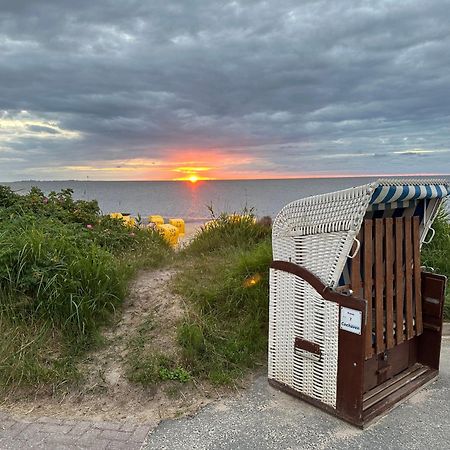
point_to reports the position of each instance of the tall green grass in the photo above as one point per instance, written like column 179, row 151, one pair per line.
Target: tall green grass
column 51, row 272
column 64, row 270
column 437, row 254
column 225, row 278
column 227, row 231
column 34, row 352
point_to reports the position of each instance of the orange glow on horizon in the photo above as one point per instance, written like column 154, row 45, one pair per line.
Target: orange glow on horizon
column 201, row 165
column 193, row 166
column 190, row 169
column 193, row 178
column 190, row 172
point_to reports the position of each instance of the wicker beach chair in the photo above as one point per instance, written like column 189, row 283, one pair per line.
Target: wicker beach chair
column 355, row 323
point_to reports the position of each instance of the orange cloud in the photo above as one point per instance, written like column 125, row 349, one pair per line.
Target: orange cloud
column 207, row 164
column 183, row 166
column 191, row 169
column 191, row 173
column 180, row 165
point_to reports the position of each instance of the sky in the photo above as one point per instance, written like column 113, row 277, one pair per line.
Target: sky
column 156, row 90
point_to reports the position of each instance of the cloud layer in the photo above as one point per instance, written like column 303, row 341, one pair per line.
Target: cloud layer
column 137, row 89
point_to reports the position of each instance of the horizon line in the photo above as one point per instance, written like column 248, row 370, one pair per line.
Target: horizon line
column 295, row 177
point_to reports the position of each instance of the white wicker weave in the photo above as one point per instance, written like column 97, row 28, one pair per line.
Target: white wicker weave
column 316, row 233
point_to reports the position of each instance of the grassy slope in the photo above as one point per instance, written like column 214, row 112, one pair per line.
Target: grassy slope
column 64, row 270
column 224, row 275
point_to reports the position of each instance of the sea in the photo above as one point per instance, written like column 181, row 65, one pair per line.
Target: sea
column 194, row 201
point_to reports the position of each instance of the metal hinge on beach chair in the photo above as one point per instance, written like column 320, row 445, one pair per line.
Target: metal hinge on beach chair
column 355, row 324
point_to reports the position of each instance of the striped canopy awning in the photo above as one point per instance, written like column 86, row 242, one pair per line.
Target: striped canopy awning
column 390, row 193
column 404, row 198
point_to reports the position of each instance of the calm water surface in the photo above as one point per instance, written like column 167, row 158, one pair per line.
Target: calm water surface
column 190, row 201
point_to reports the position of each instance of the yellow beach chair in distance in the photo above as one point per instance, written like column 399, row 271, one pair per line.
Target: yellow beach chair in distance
column 180, row 225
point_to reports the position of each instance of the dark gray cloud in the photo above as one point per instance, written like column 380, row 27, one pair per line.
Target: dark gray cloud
column 311, row 86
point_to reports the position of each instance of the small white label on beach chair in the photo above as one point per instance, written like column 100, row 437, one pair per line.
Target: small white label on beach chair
column 351, row 320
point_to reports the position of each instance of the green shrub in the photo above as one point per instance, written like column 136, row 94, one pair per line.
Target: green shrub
column 226, row 332
column 64, row 270
column 153, row 368
column 57, row 205
column 55, row 272
column 437, row 253
column 176, row 374
column 60, row 207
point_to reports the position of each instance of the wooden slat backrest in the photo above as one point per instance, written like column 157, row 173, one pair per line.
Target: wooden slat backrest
column 408, row 279
column 367, row 282
column 389, row 293
column 399, row 280
column 389, row 279
column 379, row 286
column 417, row 275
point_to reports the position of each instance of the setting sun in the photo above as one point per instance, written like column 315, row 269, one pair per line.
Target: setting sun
column 192, row 172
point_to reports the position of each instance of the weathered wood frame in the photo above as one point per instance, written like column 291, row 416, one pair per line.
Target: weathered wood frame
column 391, row 281
column 415, row 362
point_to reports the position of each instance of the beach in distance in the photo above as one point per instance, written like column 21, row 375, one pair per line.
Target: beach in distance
column 190, row 201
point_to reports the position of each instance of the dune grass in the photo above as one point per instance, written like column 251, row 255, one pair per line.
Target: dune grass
column 224, row 275
column 239, row 231
column 64, row 270
column 33, row 352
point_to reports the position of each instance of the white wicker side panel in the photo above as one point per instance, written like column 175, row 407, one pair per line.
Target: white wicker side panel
column 321, row 229
column 315, row 320
column 273, row 324
column 322, row 254
column 316, row 233
column 281, row 326
column 326, row 329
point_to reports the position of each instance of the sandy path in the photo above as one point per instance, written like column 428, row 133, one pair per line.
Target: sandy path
column 106, row 393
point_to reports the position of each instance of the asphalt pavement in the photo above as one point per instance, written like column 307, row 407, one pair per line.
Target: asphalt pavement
column 264, row 418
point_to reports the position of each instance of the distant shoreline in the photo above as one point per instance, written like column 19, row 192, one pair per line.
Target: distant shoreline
column 309, row 177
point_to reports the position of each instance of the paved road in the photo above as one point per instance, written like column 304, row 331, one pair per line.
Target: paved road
column 263, row 418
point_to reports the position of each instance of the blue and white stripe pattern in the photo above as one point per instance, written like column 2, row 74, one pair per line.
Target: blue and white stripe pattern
column 404, row 198
column 403, row 193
